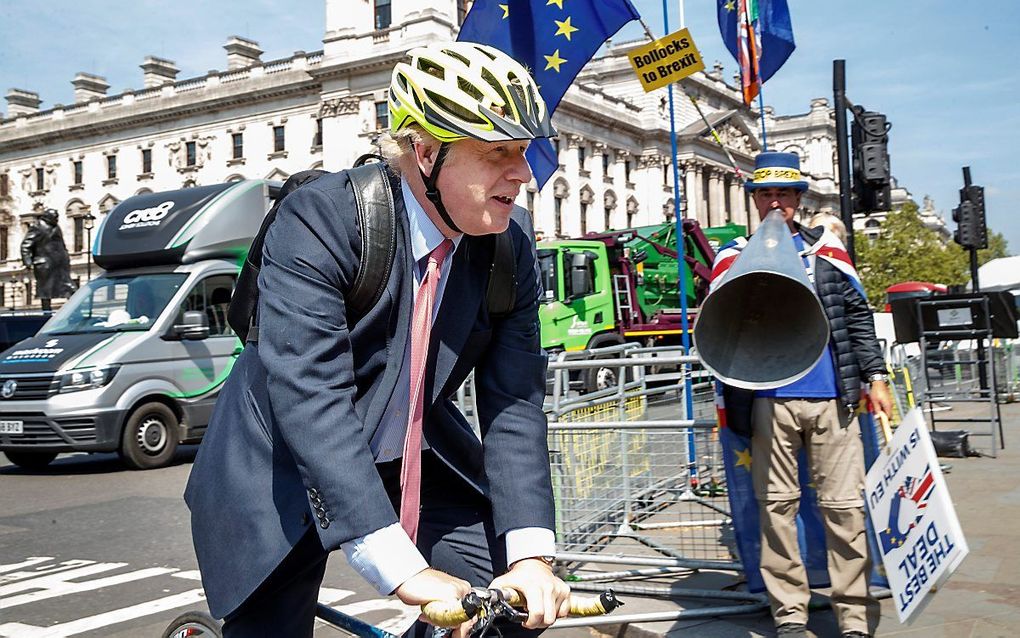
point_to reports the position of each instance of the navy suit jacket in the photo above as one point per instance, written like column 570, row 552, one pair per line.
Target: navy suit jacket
column 292, row 425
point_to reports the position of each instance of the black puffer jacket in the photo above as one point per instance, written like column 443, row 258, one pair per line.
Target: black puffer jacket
column 852, row 328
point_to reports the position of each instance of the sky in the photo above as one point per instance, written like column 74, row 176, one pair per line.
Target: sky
column 942, row 71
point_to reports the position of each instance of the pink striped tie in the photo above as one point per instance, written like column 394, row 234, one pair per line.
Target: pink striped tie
column 421, row 328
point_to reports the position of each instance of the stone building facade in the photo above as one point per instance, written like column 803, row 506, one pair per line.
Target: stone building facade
column 269, row 119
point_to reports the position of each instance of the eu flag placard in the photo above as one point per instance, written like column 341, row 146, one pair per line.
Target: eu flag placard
column 554, row 39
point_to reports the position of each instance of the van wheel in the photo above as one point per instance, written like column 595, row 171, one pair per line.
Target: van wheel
column 31, row 460
column 150, row 437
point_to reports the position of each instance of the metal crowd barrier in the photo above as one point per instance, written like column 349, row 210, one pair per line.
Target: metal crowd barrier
column 632, row 501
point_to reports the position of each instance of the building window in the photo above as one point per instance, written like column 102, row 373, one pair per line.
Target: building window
column 3, row 243
column 237, row 143
column 559, row 217
column 665, row 174
column 382, row 115
column 40, row 179
column 318, row 133
column 79, row 234
column 4, row 185
column 580, row 157
column 556, row 145
column 146, row 160
column 584, row 218
column 626, row 170
column 608, row 218
column 383, row 17
column 111, row 167
column 531, row 202
column 78, row 172
column 278, row 139
column 190, row 148
column 605, row 164
column 3, row 295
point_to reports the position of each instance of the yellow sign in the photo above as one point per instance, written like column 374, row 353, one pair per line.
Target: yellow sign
column 667, row 60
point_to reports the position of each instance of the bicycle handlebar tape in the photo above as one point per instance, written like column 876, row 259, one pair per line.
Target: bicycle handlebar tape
column 451, row 613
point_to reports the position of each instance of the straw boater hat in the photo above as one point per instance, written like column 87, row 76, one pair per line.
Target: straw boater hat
column 776, row 170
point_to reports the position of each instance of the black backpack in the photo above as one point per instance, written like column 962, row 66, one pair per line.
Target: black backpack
column 377, row 223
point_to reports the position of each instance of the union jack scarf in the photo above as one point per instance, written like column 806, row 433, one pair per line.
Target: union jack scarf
column 828, row 247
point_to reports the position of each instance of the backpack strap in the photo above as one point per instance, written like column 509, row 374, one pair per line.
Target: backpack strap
column 377, row 221
column 502, row 292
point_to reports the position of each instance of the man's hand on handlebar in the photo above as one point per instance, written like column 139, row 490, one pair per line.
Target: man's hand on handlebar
column 546, row 596
column 432, row 584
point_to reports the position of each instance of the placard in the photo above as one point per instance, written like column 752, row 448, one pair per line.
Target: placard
column 913, row 517
column 666, row 60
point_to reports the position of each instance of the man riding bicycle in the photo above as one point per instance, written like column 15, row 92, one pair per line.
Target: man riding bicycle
column 330, row 424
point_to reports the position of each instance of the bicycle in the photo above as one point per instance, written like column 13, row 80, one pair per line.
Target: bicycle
column 487, row 605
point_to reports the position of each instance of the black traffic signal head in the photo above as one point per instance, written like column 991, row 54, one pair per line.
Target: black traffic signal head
column 871, row 174
column 971, row 231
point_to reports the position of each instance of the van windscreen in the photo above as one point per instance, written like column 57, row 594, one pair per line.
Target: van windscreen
column 118, row 303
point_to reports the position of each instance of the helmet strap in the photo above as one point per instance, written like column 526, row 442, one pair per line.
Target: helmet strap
column 432, row 189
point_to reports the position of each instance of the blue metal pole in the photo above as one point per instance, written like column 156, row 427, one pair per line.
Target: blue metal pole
column 761, row 110
column 682, row 272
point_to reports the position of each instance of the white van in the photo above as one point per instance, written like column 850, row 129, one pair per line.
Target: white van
column 133, row 362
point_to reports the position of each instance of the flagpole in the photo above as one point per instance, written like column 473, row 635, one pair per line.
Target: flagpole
column 761, row 110
column 757, row 75
column 682, row 270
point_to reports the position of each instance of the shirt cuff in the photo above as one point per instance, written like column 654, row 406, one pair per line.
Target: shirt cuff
column 385, row 558
column 529, row 542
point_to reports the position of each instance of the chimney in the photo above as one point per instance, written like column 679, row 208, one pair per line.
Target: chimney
column 241, row 53
column 87, row 87
column 21, row 102
column 158, row 71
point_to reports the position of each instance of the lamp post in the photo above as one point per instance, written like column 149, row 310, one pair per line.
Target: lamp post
column 14, row 292
column 89, row 221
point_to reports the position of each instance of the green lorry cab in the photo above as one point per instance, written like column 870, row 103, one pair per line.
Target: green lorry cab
column 621, row 287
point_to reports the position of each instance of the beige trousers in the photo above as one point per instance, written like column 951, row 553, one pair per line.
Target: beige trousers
column 836, row 464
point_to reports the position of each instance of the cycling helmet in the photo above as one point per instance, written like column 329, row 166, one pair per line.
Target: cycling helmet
column 462, row 90
column 457, row 90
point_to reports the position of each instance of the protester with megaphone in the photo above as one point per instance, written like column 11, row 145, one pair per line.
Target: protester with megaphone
column 815, row 410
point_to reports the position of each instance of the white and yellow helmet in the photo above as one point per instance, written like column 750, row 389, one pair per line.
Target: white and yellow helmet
column 458, row 90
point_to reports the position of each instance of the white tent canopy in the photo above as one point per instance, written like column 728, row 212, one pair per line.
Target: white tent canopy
column 999, row 274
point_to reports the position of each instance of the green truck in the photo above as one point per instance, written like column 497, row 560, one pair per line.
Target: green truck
column 620, row 287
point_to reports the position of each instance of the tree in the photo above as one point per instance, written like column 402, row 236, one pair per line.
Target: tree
column 907, row 251
column 997, row 247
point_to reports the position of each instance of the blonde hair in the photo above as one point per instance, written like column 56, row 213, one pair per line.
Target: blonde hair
column 833, row 223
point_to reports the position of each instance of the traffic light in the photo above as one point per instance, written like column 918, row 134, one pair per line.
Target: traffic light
column 869, row 135
column 971, row 231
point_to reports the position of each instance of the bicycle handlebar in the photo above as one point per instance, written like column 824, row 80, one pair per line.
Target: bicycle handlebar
column 448, row 614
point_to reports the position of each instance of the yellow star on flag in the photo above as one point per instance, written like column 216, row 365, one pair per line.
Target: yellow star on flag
column 558, row 3
column 565, row 28
column 506, row 10
column 730, row 6
column 744, row 458
column 553, row 61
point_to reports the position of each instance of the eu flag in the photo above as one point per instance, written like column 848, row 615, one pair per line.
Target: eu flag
column 744, row 511
column 759, row 35
column 554, row 39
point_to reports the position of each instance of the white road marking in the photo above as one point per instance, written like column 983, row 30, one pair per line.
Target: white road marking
column 20, row 586
column 43, row 571
column 405, row 617
column 28, row 562
column 59, row 585
column 75, row 627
